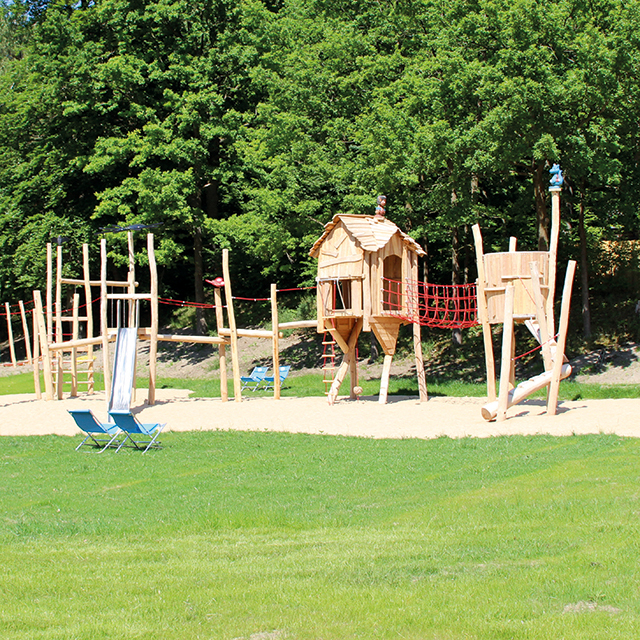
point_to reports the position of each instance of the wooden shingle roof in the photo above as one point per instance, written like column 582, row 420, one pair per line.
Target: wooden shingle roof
column 372, row 234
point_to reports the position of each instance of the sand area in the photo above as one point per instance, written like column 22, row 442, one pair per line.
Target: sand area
column 401, row 417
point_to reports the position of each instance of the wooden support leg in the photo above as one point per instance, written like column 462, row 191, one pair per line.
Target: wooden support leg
column 417, row 350
column 384, row 379
column 354, row 375
column 554, row 386
column 346, row 362
column 505, row 366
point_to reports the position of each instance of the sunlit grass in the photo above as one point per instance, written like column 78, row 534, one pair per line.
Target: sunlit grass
column 232, row 535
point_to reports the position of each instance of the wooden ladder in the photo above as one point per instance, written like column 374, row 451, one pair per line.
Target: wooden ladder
column 328, row 361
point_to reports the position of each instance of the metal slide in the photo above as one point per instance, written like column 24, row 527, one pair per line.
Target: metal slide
column 124, row 364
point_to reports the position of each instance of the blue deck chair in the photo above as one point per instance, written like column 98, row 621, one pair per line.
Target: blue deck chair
column 270, row 380
column 141, row 436
column 253, row 380
column 101, row 434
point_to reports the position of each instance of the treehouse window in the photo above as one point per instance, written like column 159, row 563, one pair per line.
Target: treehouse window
column 392, row 296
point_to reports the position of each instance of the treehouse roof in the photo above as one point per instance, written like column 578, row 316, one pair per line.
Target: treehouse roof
column 372, row 234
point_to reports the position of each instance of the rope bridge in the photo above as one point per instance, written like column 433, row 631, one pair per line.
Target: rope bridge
column 431, row 305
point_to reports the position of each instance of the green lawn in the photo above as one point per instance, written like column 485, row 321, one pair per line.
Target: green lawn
column 270, row 535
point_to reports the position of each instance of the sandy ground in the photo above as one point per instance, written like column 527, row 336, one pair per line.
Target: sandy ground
column 402, row 417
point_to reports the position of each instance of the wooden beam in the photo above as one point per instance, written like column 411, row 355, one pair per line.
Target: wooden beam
column 44, row 345
column 507, row 350
column 222, row 350
column 237, row 385
column 153, row 347
column 275, row 343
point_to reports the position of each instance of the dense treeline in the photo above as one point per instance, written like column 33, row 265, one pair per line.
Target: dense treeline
column 247, row 124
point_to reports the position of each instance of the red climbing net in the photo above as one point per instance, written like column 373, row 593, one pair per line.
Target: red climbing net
column 431, row 305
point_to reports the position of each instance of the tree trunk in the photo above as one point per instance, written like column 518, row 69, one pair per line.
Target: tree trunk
column 584, row 271
column 542, row 215
column 456, row 334
column 201, row 323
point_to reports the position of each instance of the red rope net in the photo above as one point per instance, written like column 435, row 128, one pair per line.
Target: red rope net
column 431, row 305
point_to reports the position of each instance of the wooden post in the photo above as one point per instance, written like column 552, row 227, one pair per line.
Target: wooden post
column 483, row 316
column 237, row 387
column 417, row 350
column 553, row 253
column 104, row 325
column 12, row 349
column 44, row 345
column 384, row 379
column 74, row 350
column 554, row 387
column 153, row 346
column 36, row 356
column 275, row 342
column 513, row 243
column 49, row 293
column 507, row 350
column 25, row 330
column 89, row 314
column 222, row 347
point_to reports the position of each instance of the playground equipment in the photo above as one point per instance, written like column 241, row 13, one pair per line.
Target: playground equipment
column 519, row 287
column 355, row 255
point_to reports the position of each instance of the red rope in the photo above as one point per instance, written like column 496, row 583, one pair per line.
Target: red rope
column 432, row 305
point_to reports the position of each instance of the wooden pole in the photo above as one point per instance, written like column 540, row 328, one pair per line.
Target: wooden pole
column 222, row 348
column 49, row 293
column 12, row 349
column 74, row 350
column 237, row 387
column 417, row 350
column 153, row 347
column 44, row 345
column 483, row 316
column 554, row 387
column 507, row 350
column 89, row 313
column 25, row 330
column 104, row 325
column 131, row 280
column 275, row 342
column 553, row 253
column 384, row 379
column 36, row 356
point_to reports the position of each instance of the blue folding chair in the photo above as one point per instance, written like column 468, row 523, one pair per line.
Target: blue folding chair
column 141, row 436
column 253, row 380
column 102, row 435
column 269, row 381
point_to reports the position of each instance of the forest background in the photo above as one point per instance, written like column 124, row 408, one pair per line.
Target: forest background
column 248, row 124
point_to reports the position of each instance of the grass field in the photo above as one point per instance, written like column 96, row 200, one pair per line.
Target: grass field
column 264, row 536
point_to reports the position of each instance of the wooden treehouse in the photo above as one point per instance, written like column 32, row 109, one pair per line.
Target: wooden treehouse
column 519, row 287
column 364, row 266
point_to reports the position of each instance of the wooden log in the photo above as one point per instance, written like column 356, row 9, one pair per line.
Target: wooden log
column 513, row 243
column 153, row 346
column 483, row 316
column 298, row 324
column 124, row 284
column 507, row 354
column 524, row 390
column 248, row 333
column 36, row 356
column 237, row 384
column 384, row 379
column 131, row 288
column 554, row 387
column 82, row 342
column 44, row 345
column 275, row 343
column 222, row 349
column 12, row 349
column 129, row 296
column 25, row 330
